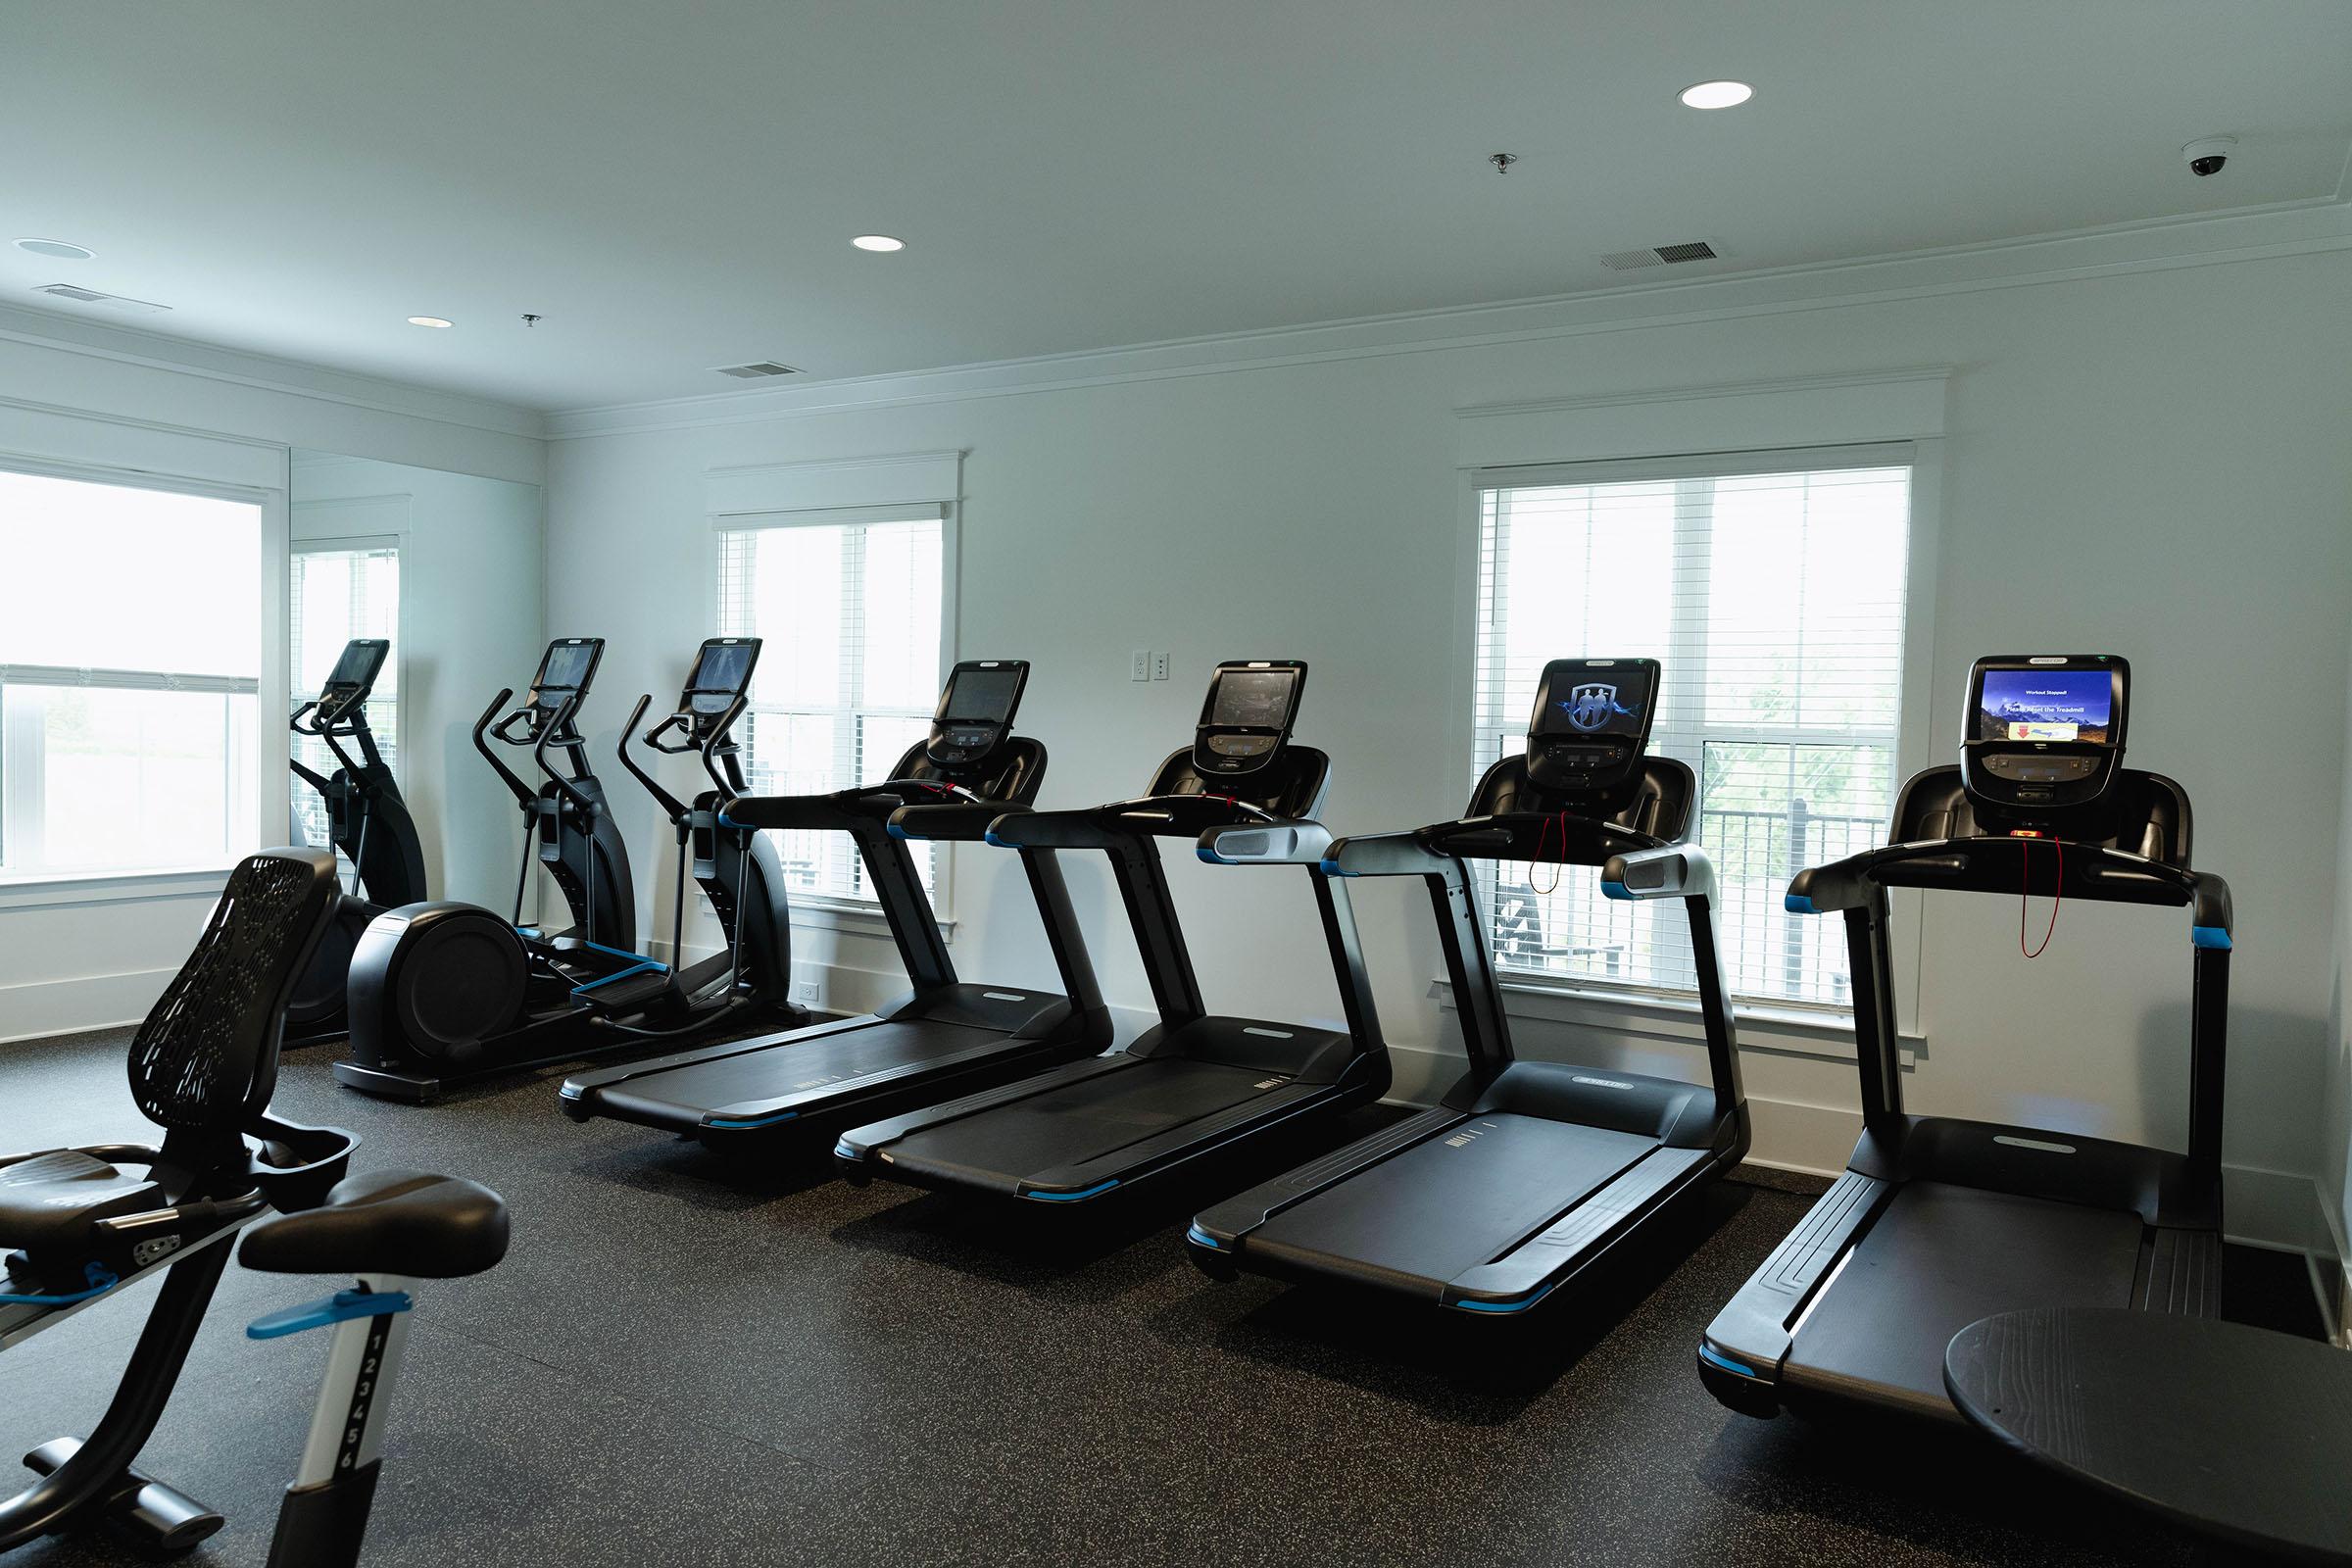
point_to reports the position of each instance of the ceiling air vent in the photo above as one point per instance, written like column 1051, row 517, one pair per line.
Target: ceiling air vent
column 758, row 370
column 90, row 296
column 1695, row 250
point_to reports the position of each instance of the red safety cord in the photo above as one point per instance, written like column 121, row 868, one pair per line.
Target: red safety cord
column 1542, row 837
column 2025, row 891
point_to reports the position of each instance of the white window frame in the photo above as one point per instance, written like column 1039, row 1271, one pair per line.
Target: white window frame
column 829, row 492
column 137, row 455
column 1697, row 429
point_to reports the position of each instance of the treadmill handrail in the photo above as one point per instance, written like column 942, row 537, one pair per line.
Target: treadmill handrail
column 1385, row 854
column 1114, row 825
column 959, row 822
column 835, row 810
column 1287, row 841
column 2093, row 871
column 1677, row 870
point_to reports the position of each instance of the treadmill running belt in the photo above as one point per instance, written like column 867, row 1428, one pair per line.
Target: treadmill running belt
column 1083, row 1120
column 1937, row 1260
column 1453, row 1201
column 683, row 1095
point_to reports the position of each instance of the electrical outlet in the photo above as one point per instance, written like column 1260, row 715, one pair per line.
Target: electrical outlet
column 1159, row 665
column 1139, row 664
column 803, row 993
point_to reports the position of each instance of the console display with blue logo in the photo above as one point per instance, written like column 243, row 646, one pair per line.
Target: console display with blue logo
column 1591, row 722
column 1247, row 714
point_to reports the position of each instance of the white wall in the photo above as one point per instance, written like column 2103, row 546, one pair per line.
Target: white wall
column 2148, row 462
column 2335, row 1141
column 470, row 621
column 69, row 392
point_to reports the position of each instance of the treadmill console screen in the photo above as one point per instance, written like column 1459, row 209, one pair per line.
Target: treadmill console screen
column 2062, row 704
column 975, row 712
column 1591, row 722
column 721, row 672
column 2045, row 733
column 1247, row 715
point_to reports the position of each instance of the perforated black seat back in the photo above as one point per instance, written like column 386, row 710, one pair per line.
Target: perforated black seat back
column 206, row 1059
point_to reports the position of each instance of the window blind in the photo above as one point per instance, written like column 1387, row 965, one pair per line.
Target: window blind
column 1771, row 587
column 850, row 612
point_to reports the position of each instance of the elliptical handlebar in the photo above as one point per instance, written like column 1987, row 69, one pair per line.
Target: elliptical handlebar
column 677, row 809
column 524, row 796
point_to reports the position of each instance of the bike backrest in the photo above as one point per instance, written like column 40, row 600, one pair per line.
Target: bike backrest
column 206, row 1058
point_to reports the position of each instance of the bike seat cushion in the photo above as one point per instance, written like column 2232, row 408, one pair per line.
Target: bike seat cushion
column 386, row 1222
column 48, row 1202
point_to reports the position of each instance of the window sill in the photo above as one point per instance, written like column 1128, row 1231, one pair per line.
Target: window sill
column 51, row 890
column 853, row 915
column 1821, row 1034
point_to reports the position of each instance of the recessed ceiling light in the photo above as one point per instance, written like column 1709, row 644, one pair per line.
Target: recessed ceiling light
column 1718, row 94
column 878, row 242
column 427, row 321
column 63, row 250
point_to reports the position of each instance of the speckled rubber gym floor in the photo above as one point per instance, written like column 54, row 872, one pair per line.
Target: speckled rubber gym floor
column 683, row 1364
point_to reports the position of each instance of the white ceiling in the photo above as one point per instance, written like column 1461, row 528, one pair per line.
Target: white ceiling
column 673, row 187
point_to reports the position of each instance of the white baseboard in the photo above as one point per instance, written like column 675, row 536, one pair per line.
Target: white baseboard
column 39, row 1009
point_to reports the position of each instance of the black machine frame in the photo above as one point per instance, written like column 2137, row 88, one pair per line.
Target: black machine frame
column 944, row 1035
column 1957, row 1219
column 1211, row 1086
column 1525, row 1173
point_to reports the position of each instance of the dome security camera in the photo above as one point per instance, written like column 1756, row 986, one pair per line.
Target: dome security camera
column 2206, row 156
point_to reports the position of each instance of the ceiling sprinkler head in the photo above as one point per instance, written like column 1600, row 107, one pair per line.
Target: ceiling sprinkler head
column 1502, row 161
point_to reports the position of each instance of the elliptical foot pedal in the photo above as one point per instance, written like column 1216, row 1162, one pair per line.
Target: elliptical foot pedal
column 161, row 1517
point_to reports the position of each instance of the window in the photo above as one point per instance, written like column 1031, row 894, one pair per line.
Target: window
column 337, row 592
column 1772, row 588
column 130, row 660
column 848, row 675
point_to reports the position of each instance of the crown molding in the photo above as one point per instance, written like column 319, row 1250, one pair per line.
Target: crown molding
column 2288, row 229
column 185, row 357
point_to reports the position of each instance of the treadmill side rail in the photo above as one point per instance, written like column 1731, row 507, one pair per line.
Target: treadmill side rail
column 1739, row 1356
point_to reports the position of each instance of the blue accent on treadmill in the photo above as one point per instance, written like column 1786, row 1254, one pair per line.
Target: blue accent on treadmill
column 340, row 1308
column 1798, row 904
column 841, row 1151
column 1714, row 1357
column 990, row 835
column 530, row 931
column 893, row 830
column 736, row 1122
column 1072, row 1198
column 1200, row 1237
column 1331, row 867
column 2208, row 936
column 1613, row 890
column 95, row 1274
column 724, row 820
column 1520, row 1305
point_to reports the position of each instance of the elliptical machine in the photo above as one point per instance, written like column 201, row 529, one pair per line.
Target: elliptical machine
column 398, row 1034
column 739, row 873
column 445, row 992
column 367, row 823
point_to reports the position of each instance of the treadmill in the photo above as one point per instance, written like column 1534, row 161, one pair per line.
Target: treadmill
column 945, row 1036
column 1526, row 1173
column 1194, row 1086
column 1939, row 1222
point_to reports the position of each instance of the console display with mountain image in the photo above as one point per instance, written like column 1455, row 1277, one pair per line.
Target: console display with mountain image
column 2054, row 705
